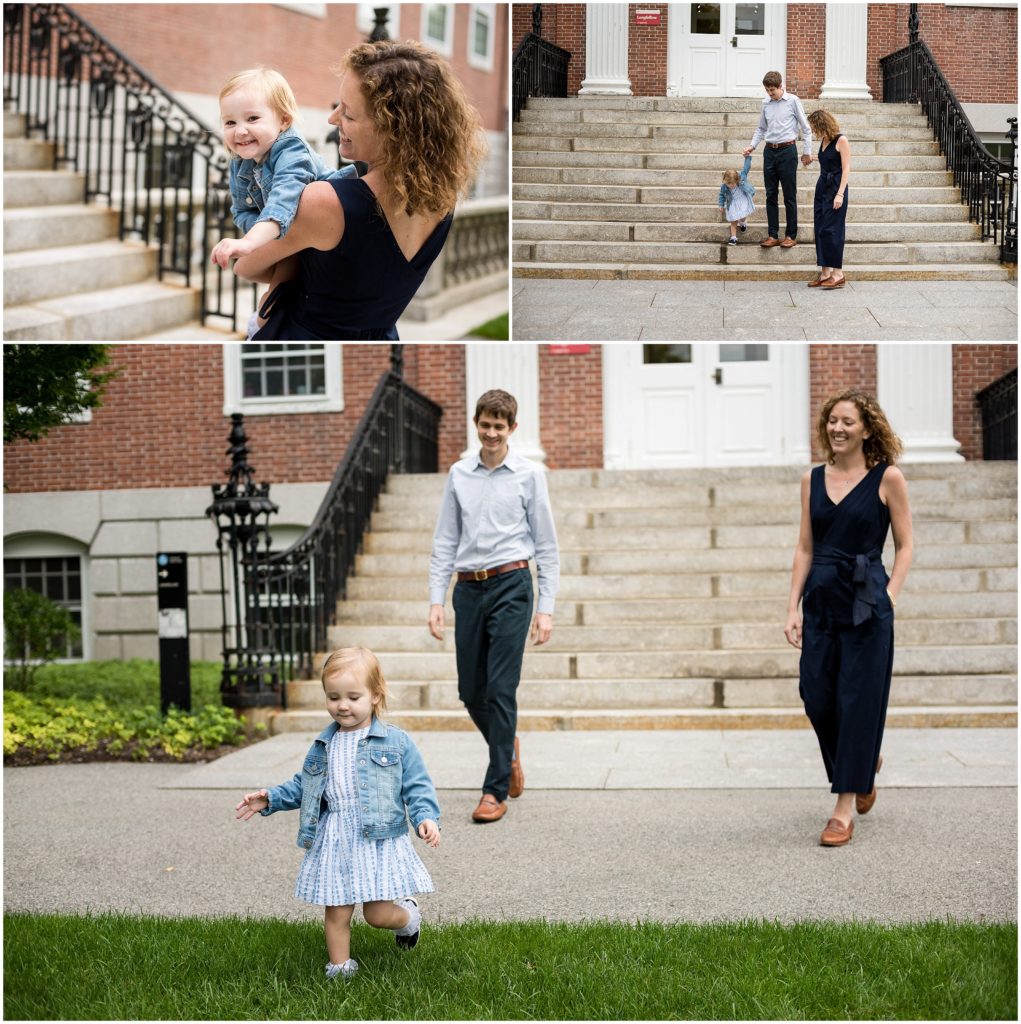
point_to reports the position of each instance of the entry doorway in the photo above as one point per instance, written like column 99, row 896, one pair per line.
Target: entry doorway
column 672, row 406
column 724, row 49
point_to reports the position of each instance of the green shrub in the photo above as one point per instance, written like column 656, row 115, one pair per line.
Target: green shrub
column 132, row 683
column 35, row 631
column 55, row 729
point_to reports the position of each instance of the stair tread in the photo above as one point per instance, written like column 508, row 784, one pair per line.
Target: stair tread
column 88, row 251
column 87, row 302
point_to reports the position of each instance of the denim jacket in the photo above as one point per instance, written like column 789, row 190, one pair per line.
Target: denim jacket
column 391, row 776
column 723, row 200
column 271, row 190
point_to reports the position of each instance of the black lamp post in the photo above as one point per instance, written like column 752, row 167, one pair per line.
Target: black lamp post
column 241, row 510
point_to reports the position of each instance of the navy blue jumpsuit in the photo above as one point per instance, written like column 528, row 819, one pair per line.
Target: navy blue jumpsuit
column 847, row 630
column 829, row 223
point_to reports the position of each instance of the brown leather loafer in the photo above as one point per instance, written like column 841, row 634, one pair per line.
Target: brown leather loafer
column 788, row 243
column 836, row 833
column 817, row 282
column 768, row 243
column 830, row 283
column 489, row 809
column 517, row 778
column 863, row 802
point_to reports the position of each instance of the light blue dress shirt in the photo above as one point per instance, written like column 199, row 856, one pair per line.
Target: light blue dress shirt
column 780, row 121
column 489, row 517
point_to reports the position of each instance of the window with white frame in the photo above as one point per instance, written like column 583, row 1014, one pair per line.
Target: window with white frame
column 438, row 27
column 55, row 568
column 271, row 379
column 481, row 29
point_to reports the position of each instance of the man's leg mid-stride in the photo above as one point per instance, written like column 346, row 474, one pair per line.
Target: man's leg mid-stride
column 491, row 627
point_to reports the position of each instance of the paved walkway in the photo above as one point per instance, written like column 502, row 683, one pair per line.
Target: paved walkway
column 674, row 826
column 572, row 310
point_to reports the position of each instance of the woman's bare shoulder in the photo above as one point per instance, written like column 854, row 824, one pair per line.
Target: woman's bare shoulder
column 320, row 215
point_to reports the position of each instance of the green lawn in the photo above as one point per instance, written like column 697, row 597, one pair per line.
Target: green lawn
column 115, row 967
column 496, row 329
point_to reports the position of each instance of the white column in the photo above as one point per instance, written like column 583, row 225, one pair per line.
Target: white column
column 846, row 52
column 916, row 391
column 606, row 51
column 511, row 368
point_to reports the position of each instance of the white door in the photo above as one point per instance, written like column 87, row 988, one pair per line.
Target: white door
column 724, row 49
column 680, row 405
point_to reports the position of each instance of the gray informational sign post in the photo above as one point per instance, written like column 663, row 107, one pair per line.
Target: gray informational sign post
column 172, row 613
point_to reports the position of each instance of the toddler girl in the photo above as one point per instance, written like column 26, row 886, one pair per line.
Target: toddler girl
column 735, row 199
column 357, row 848
column 271, row 161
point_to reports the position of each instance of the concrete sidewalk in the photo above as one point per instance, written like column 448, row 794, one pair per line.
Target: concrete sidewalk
column 669, row 826
column 695, row 759
column 644, row 310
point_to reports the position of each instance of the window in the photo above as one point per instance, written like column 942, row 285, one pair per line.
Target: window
column 481, row 29
column 276, row 378
column 58, row 577
column 666, row 354
column 438, row 27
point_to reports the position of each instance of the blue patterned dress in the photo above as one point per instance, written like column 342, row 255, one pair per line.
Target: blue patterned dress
column 343, row 867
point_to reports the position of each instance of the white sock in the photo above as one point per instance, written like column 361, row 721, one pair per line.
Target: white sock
column 346, row 969
column 414, row 916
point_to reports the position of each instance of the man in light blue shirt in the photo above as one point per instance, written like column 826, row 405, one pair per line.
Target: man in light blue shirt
column 495, row 516
column 782, row 117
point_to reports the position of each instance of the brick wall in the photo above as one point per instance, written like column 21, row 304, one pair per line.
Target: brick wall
column 197, row 47
column 162, row 423
column 833, row 368
column 975, row 47
column 571, row 408
column 806, row 50
column 647, row 56
column 976, row 367
column 563, row 25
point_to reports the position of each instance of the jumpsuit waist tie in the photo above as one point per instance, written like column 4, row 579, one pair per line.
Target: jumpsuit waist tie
column 864, row 593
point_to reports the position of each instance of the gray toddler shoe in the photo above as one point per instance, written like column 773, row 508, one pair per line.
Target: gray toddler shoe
column 407, row 937
column 347, row 969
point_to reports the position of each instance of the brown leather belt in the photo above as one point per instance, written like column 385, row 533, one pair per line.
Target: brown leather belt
column 478, row 575
column 781, row 145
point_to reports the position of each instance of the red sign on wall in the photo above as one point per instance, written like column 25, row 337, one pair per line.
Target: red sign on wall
column 647, row 17
column 569, row 350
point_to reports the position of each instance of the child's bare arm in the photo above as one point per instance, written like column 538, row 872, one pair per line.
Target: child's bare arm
column 252, row 803
column 229, row 248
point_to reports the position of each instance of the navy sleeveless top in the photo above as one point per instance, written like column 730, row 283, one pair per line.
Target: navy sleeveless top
column 358, row 290
column 847, row 578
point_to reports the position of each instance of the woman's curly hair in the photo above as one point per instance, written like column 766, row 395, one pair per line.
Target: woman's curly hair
column 430, row 134
column 824, row 124
column 882, row 444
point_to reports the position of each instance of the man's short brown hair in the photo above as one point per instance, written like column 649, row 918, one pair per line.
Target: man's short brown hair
column 772, row 80
column 497, row 403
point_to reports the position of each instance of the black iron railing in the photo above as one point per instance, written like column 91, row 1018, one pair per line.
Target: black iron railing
column 137, row 148
column 988, row 185
column 286, row 601
column 539, row 67
column 998, row 403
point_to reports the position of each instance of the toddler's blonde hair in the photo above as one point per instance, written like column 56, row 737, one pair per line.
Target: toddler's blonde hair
column 274, row 86
column 365, row 665
column 731, row 178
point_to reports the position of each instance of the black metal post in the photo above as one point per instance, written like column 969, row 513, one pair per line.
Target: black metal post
column 241, row 509
column 379, row 32
column 912, row 40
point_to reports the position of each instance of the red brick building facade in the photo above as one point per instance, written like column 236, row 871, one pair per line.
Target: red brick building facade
column 975, row 47
column 162, row 423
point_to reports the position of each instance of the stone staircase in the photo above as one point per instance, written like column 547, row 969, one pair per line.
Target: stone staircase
column 672, row 602
column 619, row 187
column 67, row 276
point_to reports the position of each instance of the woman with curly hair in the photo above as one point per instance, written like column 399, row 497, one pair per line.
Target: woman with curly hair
column 846, row 639
column 830, row 206
column 359, row 248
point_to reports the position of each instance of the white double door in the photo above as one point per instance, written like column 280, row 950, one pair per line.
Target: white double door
column 675, row 406
column 724, row 49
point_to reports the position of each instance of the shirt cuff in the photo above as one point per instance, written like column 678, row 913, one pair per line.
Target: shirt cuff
column 544, row 606
column 437, row 596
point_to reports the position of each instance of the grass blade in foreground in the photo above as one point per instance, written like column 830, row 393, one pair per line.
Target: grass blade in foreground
column 119, row 967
